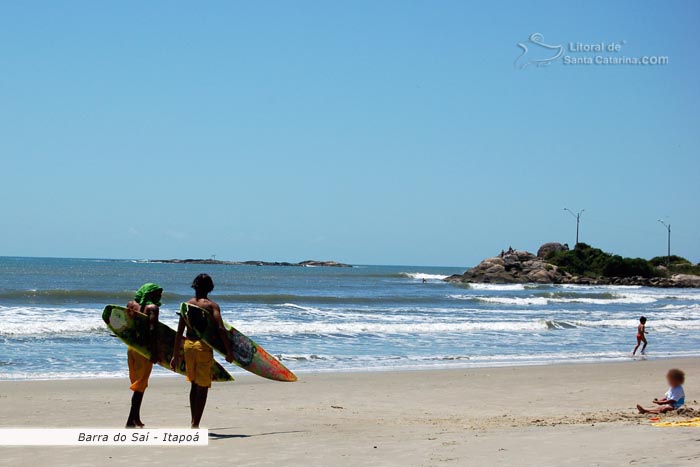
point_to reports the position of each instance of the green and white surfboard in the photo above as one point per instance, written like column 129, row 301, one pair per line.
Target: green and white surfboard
column 132, row 328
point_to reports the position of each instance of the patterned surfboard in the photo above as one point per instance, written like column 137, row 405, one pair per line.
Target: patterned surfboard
column 131, row 327
column 247, row 354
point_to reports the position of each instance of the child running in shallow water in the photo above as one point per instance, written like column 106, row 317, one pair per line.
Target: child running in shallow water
column 674, row 397
column 641, row 335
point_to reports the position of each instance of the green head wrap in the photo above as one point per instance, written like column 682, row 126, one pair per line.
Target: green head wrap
column 143, row 295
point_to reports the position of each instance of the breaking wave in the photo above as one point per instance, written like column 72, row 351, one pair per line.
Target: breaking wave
column 503, row 287
column 423, row 275
column 543, row 300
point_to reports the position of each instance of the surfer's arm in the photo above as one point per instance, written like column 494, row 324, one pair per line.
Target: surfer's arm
column 216, row 314
column 132, row 307
column 175, row 361
column 153, row 331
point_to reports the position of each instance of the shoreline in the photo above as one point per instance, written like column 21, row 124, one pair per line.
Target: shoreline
column 239, row 373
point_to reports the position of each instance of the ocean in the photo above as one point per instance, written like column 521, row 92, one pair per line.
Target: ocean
column 322, row 319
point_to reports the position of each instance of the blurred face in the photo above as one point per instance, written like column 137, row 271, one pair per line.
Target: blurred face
column 672, row 380
column 157, row 295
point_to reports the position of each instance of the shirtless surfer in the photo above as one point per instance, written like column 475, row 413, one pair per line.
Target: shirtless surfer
column 199, row 357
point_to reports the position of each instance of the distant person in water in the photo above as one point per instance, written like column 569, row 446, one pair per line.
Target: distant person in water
column 674, row 397
column 146, row 301
column 199, row 357
column 641, row 336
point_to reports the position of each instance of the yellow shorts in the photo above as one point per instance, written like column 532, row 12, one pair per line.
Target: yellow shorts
column 199, row 358
column 139, row 370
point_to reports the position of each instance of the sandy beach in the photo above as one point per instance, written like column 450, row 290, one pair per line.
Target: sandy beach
column 543, row 415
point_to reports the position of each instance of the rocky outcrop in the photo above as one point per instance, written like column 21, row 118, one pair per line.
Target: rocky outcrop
column 308, row 263
column 686, row 280
column 328, row 264
column 512, row 268
column 551, row 247
column 519, row 267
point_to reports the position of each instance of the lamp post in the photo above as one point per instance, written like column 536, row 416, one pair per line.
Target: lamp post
column 668, row 251
column 577, row 216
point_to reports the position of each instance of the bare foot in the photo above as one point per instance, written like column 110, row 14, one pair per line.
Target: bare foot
column 642, row 409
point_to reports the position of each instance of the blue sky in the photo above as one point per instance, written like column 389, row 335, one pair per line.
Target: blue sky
column 368, row 132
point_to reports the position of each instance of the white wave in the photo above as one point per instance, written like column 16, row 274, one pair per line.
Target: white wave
column 684, row 296
column 647, row 292
column 552, row 324
column 423, row 275
column 691, row 308
column 682, row 315
column 517, row 301
column 476, row 286
column 542, row 301
column 356, row 328
column 659, row 325
column 40, row 321
column 32, row 321
column 625, row 298
column 53, row 375
column 298, row 312
column 300, row 307
column 53, row 328
column 8, row 312
column 597, row 287
column 303, row 357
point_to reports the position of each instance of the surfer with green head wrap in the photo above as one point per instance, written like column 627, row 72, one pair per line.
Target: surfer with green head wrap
column 146, row 301
column 149, row 294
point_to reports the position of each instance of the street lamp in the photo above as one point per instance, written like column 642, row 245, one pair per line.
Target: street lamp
column 668, row 252
column 577, row 216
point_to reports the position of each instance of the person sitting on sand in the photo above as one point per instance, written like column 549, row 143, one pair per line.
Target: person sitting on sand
column 674, row 397
column 199, row 357
column 146, row 301
column 641, row 335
